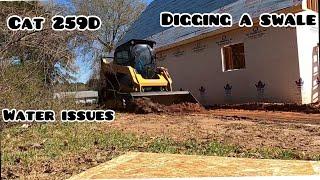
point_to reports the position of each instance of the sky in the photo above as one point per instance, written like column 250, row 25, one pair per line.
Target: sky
column 149, row 1
column 84, row 66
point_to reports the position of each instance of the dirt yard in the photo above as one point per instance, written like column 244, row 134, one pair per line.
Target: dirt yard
column 58, row 151
column 243, row 128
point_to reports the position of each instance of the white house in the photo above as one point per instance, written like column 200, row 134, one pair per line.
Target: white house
column 237, row 65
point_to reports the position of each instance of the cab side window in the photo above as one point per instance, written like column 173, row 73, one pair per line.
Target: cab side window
column 122, row 57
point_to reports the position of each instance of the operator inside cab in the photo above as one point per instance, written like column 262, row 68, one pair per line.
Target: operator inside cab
column 139, row 55
column 143, row 57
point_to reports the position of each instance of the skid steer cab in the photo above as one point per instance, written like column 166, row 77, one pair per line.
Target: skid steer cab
column 132, row 73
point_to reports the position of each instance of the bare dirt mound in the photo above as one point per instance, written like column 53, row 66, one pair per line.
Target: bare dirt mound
column 286, row 107
column 146, row 106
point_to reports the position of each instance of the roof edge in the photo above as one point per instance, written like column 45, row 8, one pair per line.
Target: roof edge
column 293, row 9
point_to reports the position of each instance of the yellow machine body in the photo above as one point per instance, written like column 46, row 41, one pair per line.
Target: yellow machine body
column 125, row 82
column 163, row 80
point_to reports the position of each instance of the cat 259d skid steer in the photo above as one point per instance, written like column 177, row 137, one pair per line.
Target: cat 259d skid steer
column 133, row 74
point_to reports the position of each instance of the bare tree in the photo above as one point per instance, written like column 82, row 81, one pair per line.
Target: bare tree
column 47, row 56
column 47, row 48
column 116, row 16
column 31, row 61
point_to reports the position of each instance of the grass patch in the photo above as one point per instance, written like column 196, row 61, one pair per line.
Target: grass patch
column 83, row 144
column 49, row 141
column 162, row 145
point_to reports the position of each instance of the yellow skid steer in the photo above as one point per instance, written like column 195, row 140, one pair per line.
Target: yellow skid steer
column 132, row 73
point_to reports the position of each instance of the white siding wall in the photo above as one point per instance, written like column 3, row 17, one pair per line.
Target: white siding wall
column 271, row 58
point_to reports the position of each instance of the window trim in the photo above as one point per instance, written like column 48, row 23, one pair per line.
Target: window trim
column 223, row 57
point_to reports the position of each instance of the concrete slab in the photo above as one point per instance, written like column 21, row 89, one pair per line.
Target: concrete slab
column 151, row 165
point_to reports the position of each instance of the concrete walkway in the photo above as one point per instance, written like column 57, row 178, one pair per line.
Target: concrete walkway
column 151, row 165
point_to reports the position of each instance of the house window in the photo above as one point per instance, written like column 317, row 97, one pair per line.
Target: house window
column 233, row 57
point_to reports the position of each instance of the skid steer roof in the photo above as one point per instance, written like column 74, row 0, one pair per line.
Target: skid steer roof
column 133, row 42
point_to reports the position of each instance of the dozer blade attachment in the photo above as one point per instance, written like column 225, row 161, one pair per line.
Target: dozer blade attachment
column 167, row 97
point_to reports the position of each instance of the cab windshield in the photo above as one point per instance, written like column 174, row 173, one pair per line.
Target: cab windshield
column 143, row 57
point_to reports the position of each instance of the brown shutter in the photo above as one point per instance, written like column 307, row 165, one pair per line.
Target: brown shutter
column 313, row 5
